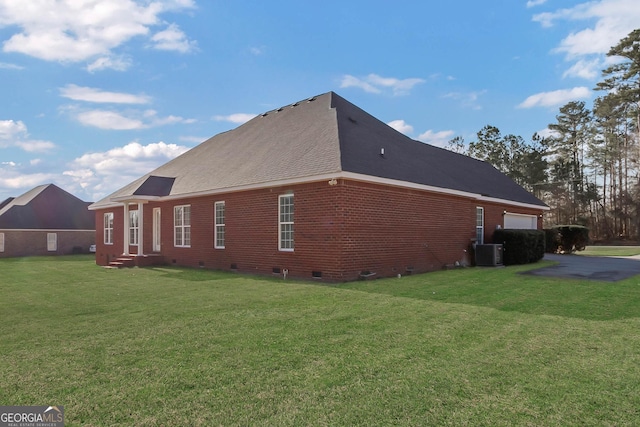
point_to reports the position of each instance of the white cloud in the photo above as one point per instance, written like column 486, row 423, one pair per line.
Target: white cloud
column 111, row 120
column 10, row 129
column 71, row 30
column 546, row 19
column 556, row 97
column 438, row 139
column 104, row 172
column 585, row 69
column 173, row 38
column 15, row 180
column 401, row 126
column 132, row 152
column 131, row 120
column 613, row 20
column 35, row 146
column 89, row 94
column 237, row 118
column 6, row 66
column 532, row 3
column 154, row 120
column 467, row 99
column 117, row 63
column 351, row 81
column 374, row 83
column 15, row 134
column 547, row 133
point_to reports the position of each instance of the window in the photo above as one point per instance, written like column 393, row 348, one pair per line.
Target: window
column 52, row 242
column 520, row 221
column 285, row 222
column 479, row 226
column 134, row 224
column 108, row 228
column 1, row 242
column 182, row 226
column 219, row 229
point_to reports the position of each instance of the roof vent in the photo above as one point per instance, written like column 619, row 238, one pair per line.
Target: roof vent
column 264, row 114
column 295, row 105
column 311, row 99
column 352, row 120
column 382, row 152
column 279, row 109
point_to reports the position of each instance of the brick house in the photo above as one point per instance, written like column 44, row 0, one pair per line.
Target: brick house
column 45, row 221
column 315, row 189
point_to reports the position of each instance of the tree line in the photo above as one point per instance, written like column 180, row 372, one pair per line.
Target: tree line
column 588, row 169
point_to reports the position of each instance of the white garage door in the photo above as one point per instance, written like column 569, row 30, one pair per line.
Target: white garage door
column 519, row 221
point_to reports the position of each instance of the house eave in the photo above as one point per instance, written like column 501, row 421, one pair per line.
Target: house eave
column 136, row 199
column 118, row 201
column 115, row 202
column 512, row 203
column 48, row 230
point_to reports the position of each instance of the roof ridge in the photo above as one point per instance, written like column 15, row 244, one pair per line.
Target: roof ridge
column 294, row 104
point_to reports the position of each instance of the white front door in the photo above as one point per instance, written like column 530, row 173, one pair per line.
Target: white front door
column 156, row 229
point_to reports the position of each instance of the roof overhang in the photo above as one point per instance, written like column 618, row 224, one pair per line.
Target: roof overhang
column 119, row 201
column 136, row 199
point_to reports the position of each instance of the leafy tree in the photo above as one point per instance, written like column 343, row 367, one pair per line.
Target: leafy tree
column 533, row 165
column 567, row 147
column 491, row 148
column 619, row 115
column 457, row 145
column 510, row 154
column 623, row 79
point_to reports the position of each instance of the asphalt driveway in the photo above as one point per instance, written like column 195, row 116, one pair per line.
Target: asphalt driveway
column 608, row 269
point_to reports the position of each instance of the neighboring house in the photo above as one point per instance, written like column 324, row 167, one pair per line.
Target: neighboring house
column 316, row 189
column 45, row 221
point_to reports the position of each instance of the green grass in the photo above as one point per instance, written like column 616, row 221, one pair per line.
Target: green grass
column 174, row 347
column 610, row 251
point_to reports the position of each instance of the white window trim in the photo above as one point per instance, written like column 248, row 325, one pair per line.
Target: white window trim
column 532, row 218
column 134, row 225
column 479, row 228
column 52, row 242
column 1, row 242
column 181, row 226
column 157, row 229
column 217, row 226
column 281, row 223
column 108, row 228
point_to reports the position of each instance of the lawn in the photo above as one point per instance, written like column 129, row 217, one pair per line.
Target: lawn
column 176, row 347
column 610, row 251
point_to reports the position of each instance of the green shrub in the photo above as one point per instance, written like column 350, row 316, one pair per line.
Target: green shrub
column 521, row 246
column 552, row 240
column 572, row 237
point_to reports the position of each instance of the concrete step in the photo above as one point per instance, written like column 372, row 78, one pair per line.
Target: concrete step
column 122, row 262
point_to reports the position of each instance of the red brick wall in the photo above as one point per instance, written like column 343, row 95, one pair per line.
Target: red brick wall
column 107, row 253
column 19, row 243
column 494, row 216
column 340, row 231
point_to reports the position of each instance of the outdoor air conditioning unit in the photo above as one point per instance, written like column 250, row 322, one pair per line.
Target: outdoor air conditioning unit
column 488, row 255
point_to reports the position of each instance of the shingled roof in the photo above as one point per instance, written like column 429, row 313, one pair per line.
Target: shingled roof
column 317, row 137
column 46, row 207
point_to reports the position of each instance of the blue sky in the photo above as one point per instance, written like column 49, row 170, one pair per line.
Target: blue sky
column 97, row 93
